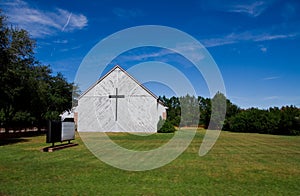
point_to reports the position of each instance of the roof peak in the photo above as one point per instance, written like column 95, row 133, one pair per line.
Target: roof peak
column 136, row 81
column 117, row 66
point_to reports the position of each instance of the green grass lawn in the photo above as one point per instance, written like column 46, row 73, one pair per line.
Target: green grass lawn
column 238, row 164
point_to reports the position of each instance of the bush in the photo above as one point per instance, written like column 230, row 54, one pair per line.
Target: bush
column 165, row 126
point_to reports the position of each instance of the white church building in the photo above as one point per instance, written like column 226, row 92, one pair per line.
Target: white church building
column 119, row 103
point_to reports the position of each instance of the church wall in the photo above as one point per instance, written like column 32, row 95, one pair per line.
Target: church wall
column 137, row 111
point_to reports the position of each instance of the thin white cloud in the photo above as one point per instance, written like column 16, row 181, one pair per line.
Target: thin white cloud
column 253, row 36
column 247, row 7
column 263, row 49
column 146, row 55
column 13, row 3
column 267, row 37
column 42, row 23
column 271, row 78
column 74, row 21
column 64, row 41
column 67, row 23
column 213, row 42
column 194, row 52
column 71, row 48
column 252, row 9
column 271, row 98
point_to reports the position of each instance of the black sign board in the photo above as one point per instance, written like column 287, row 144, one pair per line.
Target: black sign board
column 54, row 132
column 60, row 131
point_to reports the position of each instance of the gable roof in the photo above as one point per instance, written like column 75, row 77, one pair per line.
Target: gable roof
column 137, row 82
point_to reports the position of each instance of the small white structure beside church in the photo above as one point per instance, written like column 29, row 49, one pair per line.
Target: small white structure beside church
column 119, row 103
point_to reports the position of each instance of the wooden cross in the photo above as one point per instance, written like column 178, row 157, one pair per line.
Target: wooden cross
column 116, row 96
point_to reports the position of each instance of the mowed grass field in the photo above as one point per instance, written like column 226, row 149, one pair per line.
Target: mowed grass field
column 238, row 164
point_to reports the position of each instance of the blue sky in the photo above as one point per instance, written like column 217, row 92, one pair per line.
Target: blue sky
column 254, row 43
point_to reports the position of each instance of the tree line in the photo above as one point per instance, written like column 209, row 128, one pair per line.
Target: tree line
column 30, row 94
column 283, row 121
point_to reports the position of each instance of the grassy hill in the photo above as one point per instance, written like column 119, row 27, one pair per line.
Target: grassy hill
column 238, row 164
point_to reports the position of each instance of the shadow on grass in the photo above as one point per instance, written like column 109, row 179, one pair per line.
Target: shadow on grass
column 12, row 138
column 7, row 141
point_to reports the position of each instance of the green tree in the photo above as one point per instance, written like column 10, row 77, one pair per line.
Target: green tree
column 59, row 95
column 17, row 57
column 289, row 121
column 284, row 121
column 29, row 92
column 75, row 95
column 218, row 111
column 205, row 111
column 40, row 79
column 231, row 111
column 51, row 96
column 164, row 126
column 189, row 110
column 174, row 109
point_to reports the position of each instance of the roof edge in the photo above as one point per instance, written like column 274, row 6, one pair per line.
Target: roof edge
column 136, row 81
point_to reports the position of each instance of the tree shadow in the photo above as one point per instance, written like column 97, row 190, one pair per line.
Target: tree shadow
column 12, row 138
column 8, row 141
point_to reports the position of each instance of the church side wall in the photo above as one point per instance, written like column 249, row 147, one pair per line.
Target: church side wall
column 161, row 111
